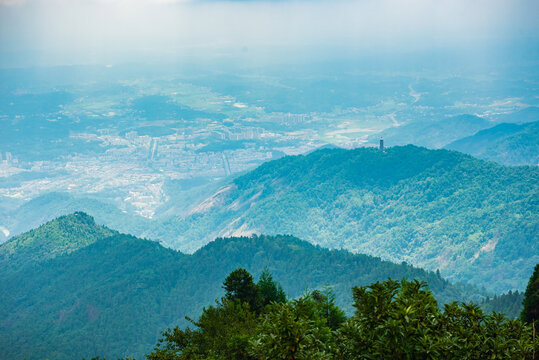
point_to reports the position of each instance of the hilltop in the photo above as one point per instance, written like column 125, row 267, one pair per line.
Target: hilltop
column 58, row 237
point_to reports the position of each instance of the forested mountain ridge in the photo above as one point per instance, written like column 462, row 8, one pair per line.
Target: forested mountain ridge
column 392, row 320
column 474, row 220
column 58, row 237
column 509, row 304
column 112, row 295
column 507, row 143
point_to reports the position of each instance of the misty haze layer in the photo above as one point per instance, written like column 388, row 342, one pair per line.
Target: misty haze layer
column 108, row 31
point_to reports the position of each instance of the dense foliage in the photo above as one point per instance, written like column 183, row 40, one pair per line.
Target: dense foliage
column 530, row 311
column 473, row 220
column 223, row 331
column 98, row 294
column 51, row 240
column 393, row 320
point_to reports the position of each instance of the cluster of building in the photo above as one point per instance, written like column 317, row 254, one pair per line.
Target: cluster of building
column 133, row 167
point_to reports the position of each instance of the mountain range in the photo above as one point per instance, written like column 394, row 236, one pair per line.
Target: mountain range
column 71, row 288
column 434, row 134
column 506, row 143
column 473, row 220
column 508, row 138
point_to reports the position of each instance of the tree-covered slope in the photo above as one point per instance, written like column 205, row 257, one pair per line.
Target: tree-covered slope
column 474, row 220
column 113, row 295
column 509, row 304
column 58, row 237
column 509, row 144
column 89, row 302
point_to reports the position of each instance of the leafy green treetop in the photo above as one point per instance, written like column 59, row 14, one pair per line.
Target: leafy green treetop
column 401, row 320
column 240, row 287
column 325, row 301
column 293, row 330
column 393, row 320
column 270, row 291
column 224, row 330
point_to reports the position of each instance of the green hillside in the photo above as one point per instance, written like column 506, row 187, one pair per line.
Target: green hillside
column 473, row 220
column 113, row 295
column 58, row 237
column 509, row 304
column 509, row 144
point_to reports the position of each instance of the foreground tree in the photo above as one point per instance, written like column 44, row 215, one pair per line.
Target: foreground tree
column 240, row 287
column 530, row 311
column 224, row 330
column 393, row 320
column 325, row 303
column 299, row 329
column 401, row 320
column 270, row 291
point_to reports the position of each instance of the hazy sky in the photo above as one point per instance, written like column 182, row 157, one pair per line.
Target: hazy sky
column 103, row 30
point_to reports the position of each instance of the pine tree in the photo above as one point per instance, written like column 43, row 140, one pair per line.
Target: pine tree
column 239, row 287
column 530, row 312
column 270, row 291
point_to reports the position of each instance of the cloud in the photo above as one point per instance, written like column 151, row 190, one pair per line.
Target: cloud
column 11, row 2
column 86, row 27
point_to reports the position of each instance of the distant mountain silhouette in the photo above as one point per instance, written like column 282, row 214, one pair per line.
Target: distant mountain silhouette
column 507, row 143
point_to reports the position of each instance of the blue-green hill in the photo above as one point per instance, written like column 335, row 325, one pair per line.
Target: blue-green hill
column 507, row 143
column 111, row 294
column 58, row 237
column 474, row 220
